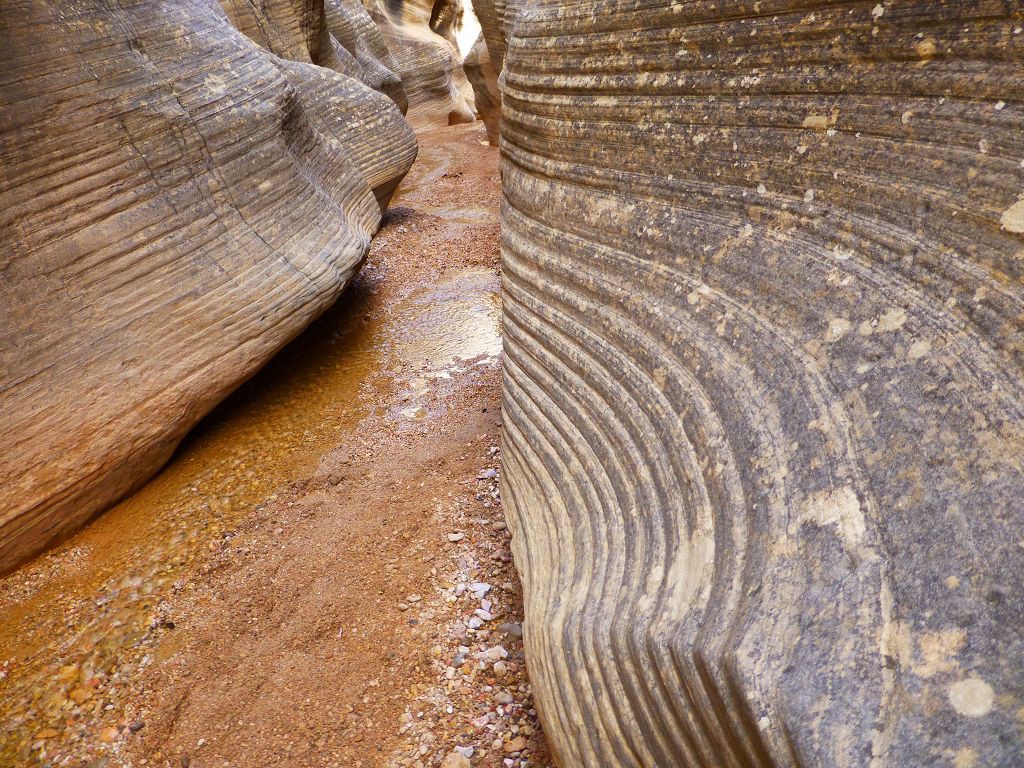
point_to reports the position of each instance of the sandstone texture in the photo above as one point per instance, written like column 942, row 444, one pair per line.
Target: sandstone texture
column 352, row 27
column 176, row 204
column 483, row 77
column 763, row 391
column 485, row 59
column 421, row 37
column 336, row 34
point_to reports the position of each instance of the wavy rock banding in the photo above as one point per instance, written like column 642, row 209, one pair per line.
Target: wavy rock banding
column 354, row 30
column 484, row 61
column 421, row 37
column 176, row 204
column 483, row 77
column 764, row 449
column 335, row 34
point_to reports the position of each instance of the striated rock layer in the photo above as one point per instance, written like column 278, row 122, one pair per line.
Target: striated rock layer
column 336, row 34
column 352, row 27
column 175, row 205
column 484, row 61
column 764, row 334
column 483, row 77
column 421, row 37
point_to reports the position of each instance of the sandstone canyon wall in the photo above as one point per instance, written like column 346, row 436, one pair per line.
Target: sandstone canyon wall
column 484, row 61
column 176, row 204
column 483, row 77
column 421, row 36
column 335, row 34
column 763, row 396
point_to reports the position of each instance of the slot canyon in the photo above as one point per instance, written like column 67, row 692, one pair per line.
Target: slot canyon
column 491, row 384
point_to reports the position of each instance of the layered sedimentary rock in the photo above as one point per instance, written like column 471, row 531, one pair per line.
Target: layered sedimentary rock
column 483, row 77
column 175, row 205
column 764, row 333
column 351, row 25
column 336, row 34
column 484, row 61
column 421, row 38
column 291, row 29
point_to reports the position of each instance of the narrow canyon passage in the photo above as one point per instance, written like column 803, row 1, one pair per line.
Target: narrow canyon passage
column 321, row 576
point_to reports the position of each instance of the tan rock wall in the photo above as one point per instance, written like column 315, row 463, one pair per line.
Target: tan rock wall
column 483, row 77
column 420, row 36
column 355, row 31
column 336, row 34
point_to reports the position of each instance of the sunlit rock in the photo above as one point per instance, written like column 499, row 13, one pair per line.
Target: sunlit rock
column 484, row 78
column 421, row 38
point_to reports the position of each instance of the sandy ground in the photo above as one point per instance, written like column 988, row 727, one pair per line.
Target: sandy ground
column 321, row 632
column 369, row 613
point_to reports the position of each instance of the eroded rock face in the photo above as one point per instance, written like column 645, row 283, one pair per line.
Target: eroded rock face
column 764, row 450
column 483, row 77
column 336, row 34
column 421, row 37
column 350, row 24
column 176, row 204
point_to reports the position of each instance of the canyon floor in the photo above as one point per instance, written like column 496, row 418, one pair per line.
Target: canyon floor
column 321, row 576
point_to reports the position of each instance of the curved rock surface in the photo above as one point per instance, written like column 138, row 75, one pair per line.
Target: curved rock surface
column 483, row 77
column 176, row 204
column 421, row 37
column 353, row 28
column 484, row 61
column 764, row 334
column 336, row 34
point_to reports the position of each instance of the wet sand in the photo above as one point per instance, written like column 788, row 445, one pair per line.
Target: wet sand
column 384, row 381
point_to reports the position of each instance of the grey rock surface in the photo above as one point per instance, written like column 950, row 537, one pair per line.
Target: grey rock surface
column 176, row 204
column 764, row 449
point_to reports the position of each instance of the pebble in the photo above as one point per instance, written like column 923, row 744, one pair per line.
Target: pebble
column 500, row 668
column 108, row 734
column 518, row 744
column 457, row 536
column 513, row 629
column 495, row 654
column 80, row 695
column 487, row 474
column 136, row 726
column 480, row 589
column 455, row 760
